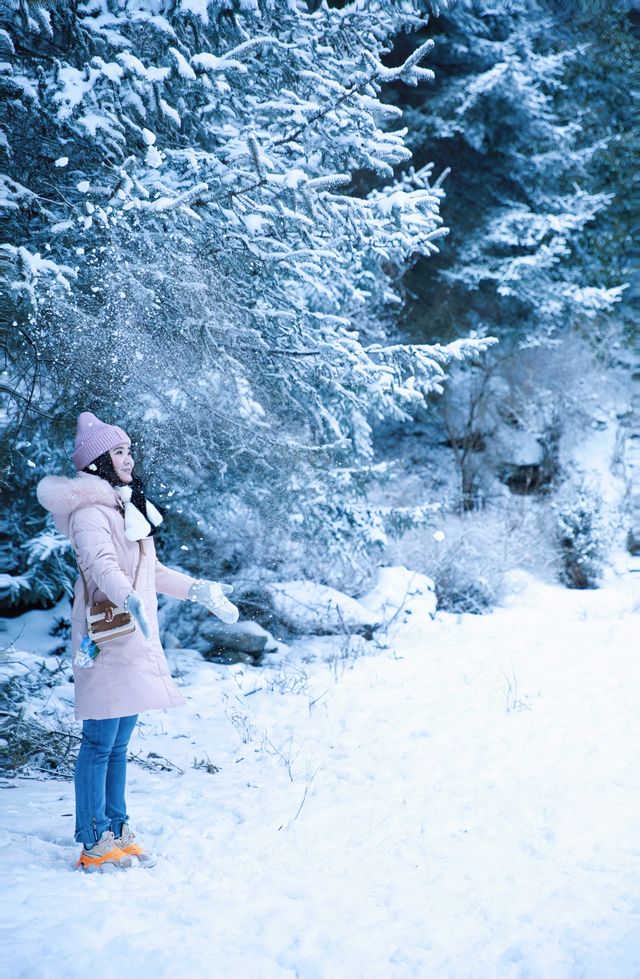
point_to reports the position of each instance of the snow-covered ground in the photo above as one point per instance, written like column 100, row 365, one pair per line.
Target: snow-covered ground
column 463, row 804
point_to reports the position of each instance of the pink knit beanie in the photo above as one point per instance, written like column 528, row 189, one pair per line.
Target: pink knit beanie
column 94, row 437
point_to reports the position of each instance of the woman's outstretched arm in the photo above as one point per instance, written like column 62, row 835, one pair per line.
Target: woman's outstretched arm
column 173, row 583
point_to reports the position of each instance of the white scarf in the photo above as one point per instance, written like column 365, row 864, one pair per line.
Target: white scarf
column 137, row 525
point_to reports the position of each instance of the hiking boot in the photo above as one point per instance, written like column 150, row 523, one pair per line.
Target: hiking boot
column 127, row 843
column 105, row 855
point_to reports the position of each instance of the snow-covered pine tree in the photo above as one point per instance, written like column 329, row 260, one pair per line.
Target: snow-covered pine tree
column 598, row 84
column 187, row 255
column 584, row 536
column 509, row 114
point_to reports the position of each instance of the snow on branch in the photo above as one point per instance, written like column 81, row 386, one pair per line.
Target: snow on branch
column 192, row 196
column 408, row 71
column 329, row 182
column 211, row 62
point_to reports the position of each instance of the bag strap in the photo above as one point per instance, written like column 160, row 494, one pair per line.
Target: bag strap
column 84, row 580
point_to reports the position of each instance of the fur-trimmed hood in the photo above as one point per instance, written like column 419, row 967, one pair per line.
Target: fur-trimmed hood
column 63, row 496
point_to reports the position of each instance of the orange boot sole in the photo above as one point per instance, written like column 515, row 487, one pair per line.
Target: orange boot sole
column 113, row 859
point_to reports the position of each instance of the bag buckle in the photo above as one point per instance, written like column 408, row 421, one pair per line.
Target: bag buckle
column 108, row 615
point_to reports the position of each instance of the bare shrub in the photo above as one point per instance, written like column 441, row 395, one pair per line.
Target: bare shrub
column 470, row 562
column 32, row 748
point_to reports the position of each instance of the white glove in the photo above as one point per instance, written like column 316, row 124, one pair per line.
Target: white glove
column 211, row 594
column 133, row 603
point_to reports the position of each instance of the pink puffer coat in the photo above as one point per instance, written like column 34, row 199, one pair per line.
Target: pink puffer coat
column 131, row 674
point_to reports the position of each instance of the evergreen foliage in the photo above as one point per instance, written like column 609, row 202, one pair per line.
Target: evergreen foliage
column 187, row 256
column 529, row 112
column 583, row 535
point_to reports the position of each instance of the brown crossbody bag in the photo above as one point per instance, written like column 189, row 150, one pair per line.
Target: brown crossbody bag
column 105, row 620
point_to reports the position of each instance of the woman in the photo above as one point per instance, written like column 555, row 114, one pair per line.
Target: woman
column 104, row 513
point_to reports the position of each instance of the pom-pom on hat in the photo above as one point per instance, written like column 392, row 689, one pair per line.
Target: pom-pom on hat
column 94, row 437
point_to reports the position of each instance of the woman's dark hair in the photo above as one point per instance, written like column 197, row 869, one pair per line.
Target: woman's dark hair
column 103, row 467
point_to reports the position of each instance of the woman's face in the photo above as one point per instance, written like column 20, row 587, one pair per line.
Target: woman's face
column 122, row 462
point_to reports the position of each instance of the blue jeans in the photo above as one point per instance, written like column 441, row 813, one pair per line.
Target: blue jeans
column 100, row 778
